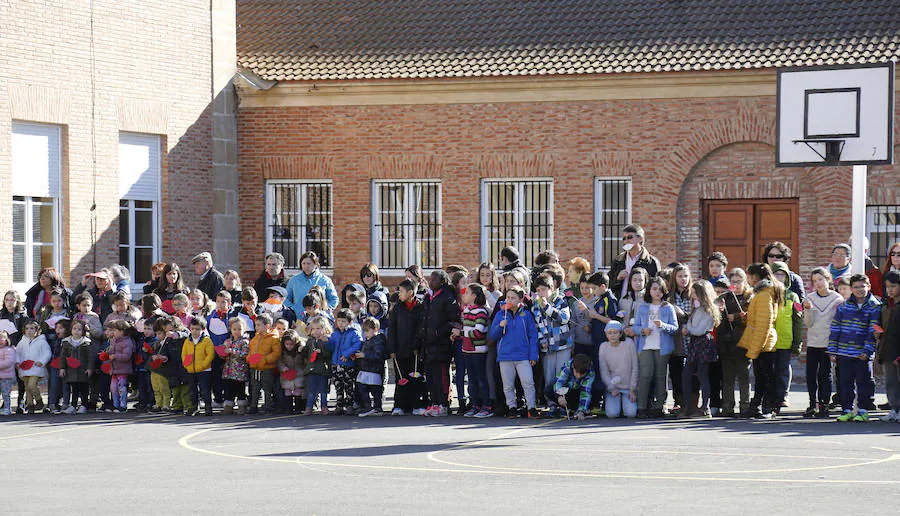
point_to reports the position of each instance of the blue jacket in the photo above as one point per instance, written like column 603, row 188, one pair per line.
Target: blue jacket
column 300, row 284
column 606, row 306
column 851, row 329
column 520, row 340
column 667, row 330
column 212, row 326
column 342, row 344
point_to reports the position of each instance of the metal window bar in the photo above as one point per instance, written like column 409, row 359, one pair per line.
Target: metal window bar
column 407, row 224
column 301, row 221
column 883, row 230
column 613, row 214
column 519, row 213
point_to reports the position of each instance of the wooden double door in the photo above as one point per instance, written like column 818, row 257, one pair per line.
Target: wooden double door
column 741, row 228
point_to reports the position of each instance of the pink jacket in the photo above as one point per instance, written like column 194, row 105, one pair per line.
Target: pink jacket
column 7, row 363
column 123, row 349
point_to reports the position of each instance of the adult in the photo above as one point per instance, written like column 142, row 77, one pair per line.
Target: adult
column 101, row 288
column 39, row 294
column 211, row 281
column 121, row 279
column 891, row 263
column 876, row 278
column 509, row 261
column 155, row 273
column 779, row 252
column 371, row 280
column 272, row 276
column 309, row 275
column 171, row 283
column 633, row 254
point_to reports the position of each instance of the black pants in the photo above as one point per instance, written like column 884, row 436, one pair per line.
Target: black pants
column 80, row 393
column 437, row 376
column 818, row 376
column 715, row 384
column 100, row 389
column 412, row 394
column 218, row 384
column 765, row 389
column 234, row 389
column 199, row 386
column 370, row 395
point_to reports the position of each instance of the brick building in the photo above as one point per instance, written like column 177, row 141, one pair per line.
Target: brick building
column 446, row 130
column 116, row 128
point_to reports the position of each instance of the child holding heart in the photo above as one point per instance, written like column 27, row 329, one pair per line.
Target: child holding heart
column 76, row 364
column 235, row 370
column 32, row 355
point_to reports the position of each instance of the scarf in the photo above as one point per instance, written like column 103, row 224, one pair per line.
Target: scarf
column 837, row 273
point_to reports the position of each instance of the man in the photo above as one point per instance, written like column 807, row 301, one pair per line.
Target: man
column 634, row 255
column 273, row 276
column 211, row 281
column 509, row 261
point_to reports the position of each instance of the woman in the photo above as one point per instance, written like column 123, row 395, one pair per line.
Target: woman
column 892, row 262
column 39, row 294
column 760, row 339
column 371, row 281
column 171, row 283
column 310, row 275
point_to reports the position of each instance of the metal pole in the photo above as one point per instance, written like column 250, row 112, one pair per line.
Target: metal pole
column 858, row 227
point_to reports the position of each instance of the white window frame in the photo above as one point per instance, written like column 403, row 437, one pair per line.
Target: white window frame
column 29, row 203
column 270, row 211
column 599, row 209
column 519, row 214
column 411, row 254
column 154, row 208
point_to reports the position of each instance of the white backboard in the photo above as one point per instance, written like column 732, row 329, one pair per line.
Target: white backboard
column 850, row 106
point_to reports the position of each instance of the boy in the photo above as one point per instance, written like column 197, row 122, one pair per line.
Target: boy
column 217, row 327
column 248, row 310
column 716, row 263
column 852, row 346
column 370, row 359
column 159, row 375
column 275, row 305
column 356, row 300
column 312, row 308
column 599, row 314
column 171, row 346
column 573, row 385
column 516, row 335
column 343, row 345
column 552, row 315
column 197, row 357
column 405, row 338
column 265, row 350
column 888, row 351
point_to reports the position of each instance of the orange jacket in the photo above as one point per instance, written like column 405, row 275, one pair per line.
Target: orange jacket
column 268, row 345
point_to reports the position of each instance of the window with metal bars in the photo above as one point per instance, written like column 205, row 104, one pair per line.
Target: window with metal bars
column 406, row 219
column 612, row 212
column 299, row 216
column 517, row 213
column 883, row 229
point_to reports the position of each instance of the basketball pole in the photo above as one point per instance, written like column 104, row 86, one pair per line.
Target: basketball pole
column 858, row 227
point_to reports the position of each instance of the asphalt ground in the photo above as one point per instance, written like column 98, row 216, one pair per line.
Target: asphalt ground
column 164, row 464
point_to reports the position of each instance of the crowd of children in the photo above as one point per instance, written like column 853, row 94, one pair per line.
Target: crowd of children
column 545, row 342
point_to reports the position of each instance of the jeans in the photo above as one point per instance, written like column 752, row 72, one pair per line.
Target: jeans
column 855, row 376
column 5, row 390
column 437, row 376
column 145, row 388
column 55, row 387
column 508, row 371
column 735, row 367
column 553, row 364
column 262, row 381
column 200, row 386
column 162, row 394
column 652, row 367
column 783, row 373
column 620, row 405
column 316, row 387
column 476, row 367
column 118, row 388
column 370, row 395
column 687, row 382
column 459, row 379
column 765, row 389
column 818, row 376
column 892, row 384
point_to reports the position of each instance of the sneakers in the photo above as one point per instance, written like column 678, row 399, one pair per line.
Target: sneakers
column 81, row 410
column 533, row 413
column 810, row 412
column 892, row 417
column 55, row 410
column 862, row 417
column 471, row 412
column 440, row 411
column 69, row 410
column 398, row 412
column 553, row 413
column 485, row 412
column 420, row 411
column 846, row 416
column 512, row 413
column 5, row 412
column 367, row 413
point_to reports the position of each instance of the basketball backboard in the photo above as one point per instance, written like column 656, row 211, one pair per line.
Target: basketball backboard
column 835, row 115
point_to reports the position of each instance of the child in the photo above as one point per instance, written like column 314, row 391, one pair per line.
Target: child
column 356, row 301
column 343, row 345
column 370, row 359
column 819, row 309
column 552, row 315
column 515, row 332
column 171, row 346
column 852, row 346
column 218, row 330
column 85, row 304
column 377, row 308
column 120, row 350
column 602, row 311
column 734, row 362
column 275, row 305
column 197, row 357
column 843, row 288
column 573, row 385
column 888, row 351
column 201, row 304
column 318, row 368
column 265, row 350
column 405, row 338
column 233, row 283
column 294, row 384
column 441, row 316
column 235, row 371
column 281, row 326
column 32, row 355
column 12, row 314
column 122, row 309
column 619, row 372
column 7, row 372
column 50, row 313
column 182, row 306
column 581, row 320
column 634, row 298
column 487, row 278
column 159, row 379
column 680, row 299
column 312, row 307
column 716, row 263
column 759, row 338
column 144, row 345
column 58, row 389
column 474, row 347
column 76, row 364
column 699, row 345
column 249, row 310
column 789, row 326
column 655, row 325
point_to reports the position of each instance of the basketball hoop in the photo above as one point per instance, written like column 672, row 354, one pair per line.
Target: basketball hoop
column 833, row 149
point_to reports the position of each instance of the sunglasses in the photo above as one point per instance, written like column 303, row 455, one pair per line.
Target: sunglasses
column 779, row 256
column 895, row 254
column 629, row 237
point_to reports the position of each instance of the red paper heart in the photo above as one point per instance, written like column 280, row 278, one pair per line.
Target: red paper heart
column 156, row 363
column 168, row 307
column 289, row 375
column 148, row 348
column 26, row 365
column 139, row 359
column 104, row 355
column 188, row 360
column 220, row 350
column 73, row 362
column 877, row 328
column 254, row 358
column 798, row 307
column 314, row 356
column 55, row 363
column 402, row 381
column 106, row 368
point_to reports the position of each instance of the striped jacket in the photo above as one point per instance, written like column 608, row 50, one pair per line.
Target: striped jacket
column 475, row 326
column 553, row 323
column 852, row 333
column 566, row 379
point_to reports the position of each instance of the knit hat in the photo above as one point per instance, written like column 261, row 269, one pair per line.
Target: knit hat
column 613, row 325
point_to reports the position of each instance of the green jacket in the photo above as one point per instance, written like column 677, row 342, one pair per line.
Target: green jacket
column 789, row 321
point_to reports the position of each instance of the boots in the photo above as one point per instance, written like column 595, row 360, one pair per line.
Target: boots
column 242, row 407
column 228, row 408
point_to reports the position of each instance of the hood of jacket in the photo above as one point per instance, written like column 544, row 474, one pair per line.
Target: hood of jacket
column 782, row 267
column 382, row 300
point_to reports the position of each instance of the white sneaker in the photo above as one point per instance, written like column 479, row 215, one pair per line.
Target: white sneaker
column 69, row 410
column 398, row 412
column 892, row 417
column 440, row 411
column 367, row 413
column 419, row 412
column 81, row 410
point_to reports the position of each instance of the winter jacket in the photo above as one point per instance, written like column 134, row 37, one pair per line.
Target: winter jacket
column 7, row 363
column 268, row 346
column 759, row 336
column 377, row 287
column 683, row 311
column 382, row 300
column 607, row 305
column 47, row 320
column 566, row 379
column 102, row 305
column 519, row 339
column 818, row 317
column 295, row 361
column 789, row 320
column 217, row 327
column 235, row 366
column 619, row 361
column 628, row 307
column 202, row 352
column 888, row 347
column 38, row 351
column 80, row 352
column 374, row 351
column 729, row 333
column 342, row 345
column 122, row 349
column 645, row 261
column 552, row 319
column 172, row 368
column 263, row 282
column 166, row 296
column 852, row 332
column 11, row 323
column 31, row 298
column 130, row 316
column 406, row 329
column 211, row 283
column 321, row 364
column 475, row 328
column 667, row 329
column 92, row 320
column 300, row 284
column 441, row 313
column 248, row 318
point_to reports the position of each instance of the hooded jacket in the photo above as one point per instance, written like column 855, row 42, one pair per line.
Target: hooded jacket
column 321, row 364
column 441, row 312
column 759, row 335
column 519, row 340
column 342, row 345
column 300, row 284
column 382, row 300
column 552, row 319
column 852, row 332
column 789, row 320
column 374, row 349
column 7, row 363
column 80, row 351
column 123, row 349
column 202, row 352
column 295, row 360
column 38, row 351
column 268, row 345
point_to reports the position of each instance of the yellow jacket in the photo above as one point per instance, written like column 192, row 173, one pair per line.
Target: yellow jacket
column 760, row 336
column 202, row 352
column 268, row 345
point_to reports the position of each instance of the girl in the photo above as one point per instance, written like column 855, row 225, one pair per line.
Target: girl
column 487, row 278
column 759, row 338
column 170, row 284
column 819, row 309
column 85, row 303
column 459, row 280
column 57, row 390
column 32, row 355
column 735, row 365
column 7, row 371
column 318, row 364
column 699, row 345
column 370, row 360
column 12, row 316
column 789, row 327
column 120, row 350
column 415, row 274
column 474, row 347
column 517, row 350
column 123, row 309
column 236, row 371
column 680, row 298
column 76, row 364
column 294, row 384
column 655, row 325
column 182, row 306
column 52, row 312
column 628, row 305
column 619, row 372
column 233, row 284
column 201, row 306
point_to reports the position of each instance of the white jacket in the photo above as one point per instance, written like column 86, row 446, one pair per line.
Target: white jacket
column 36, row 350
column 817, row 319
